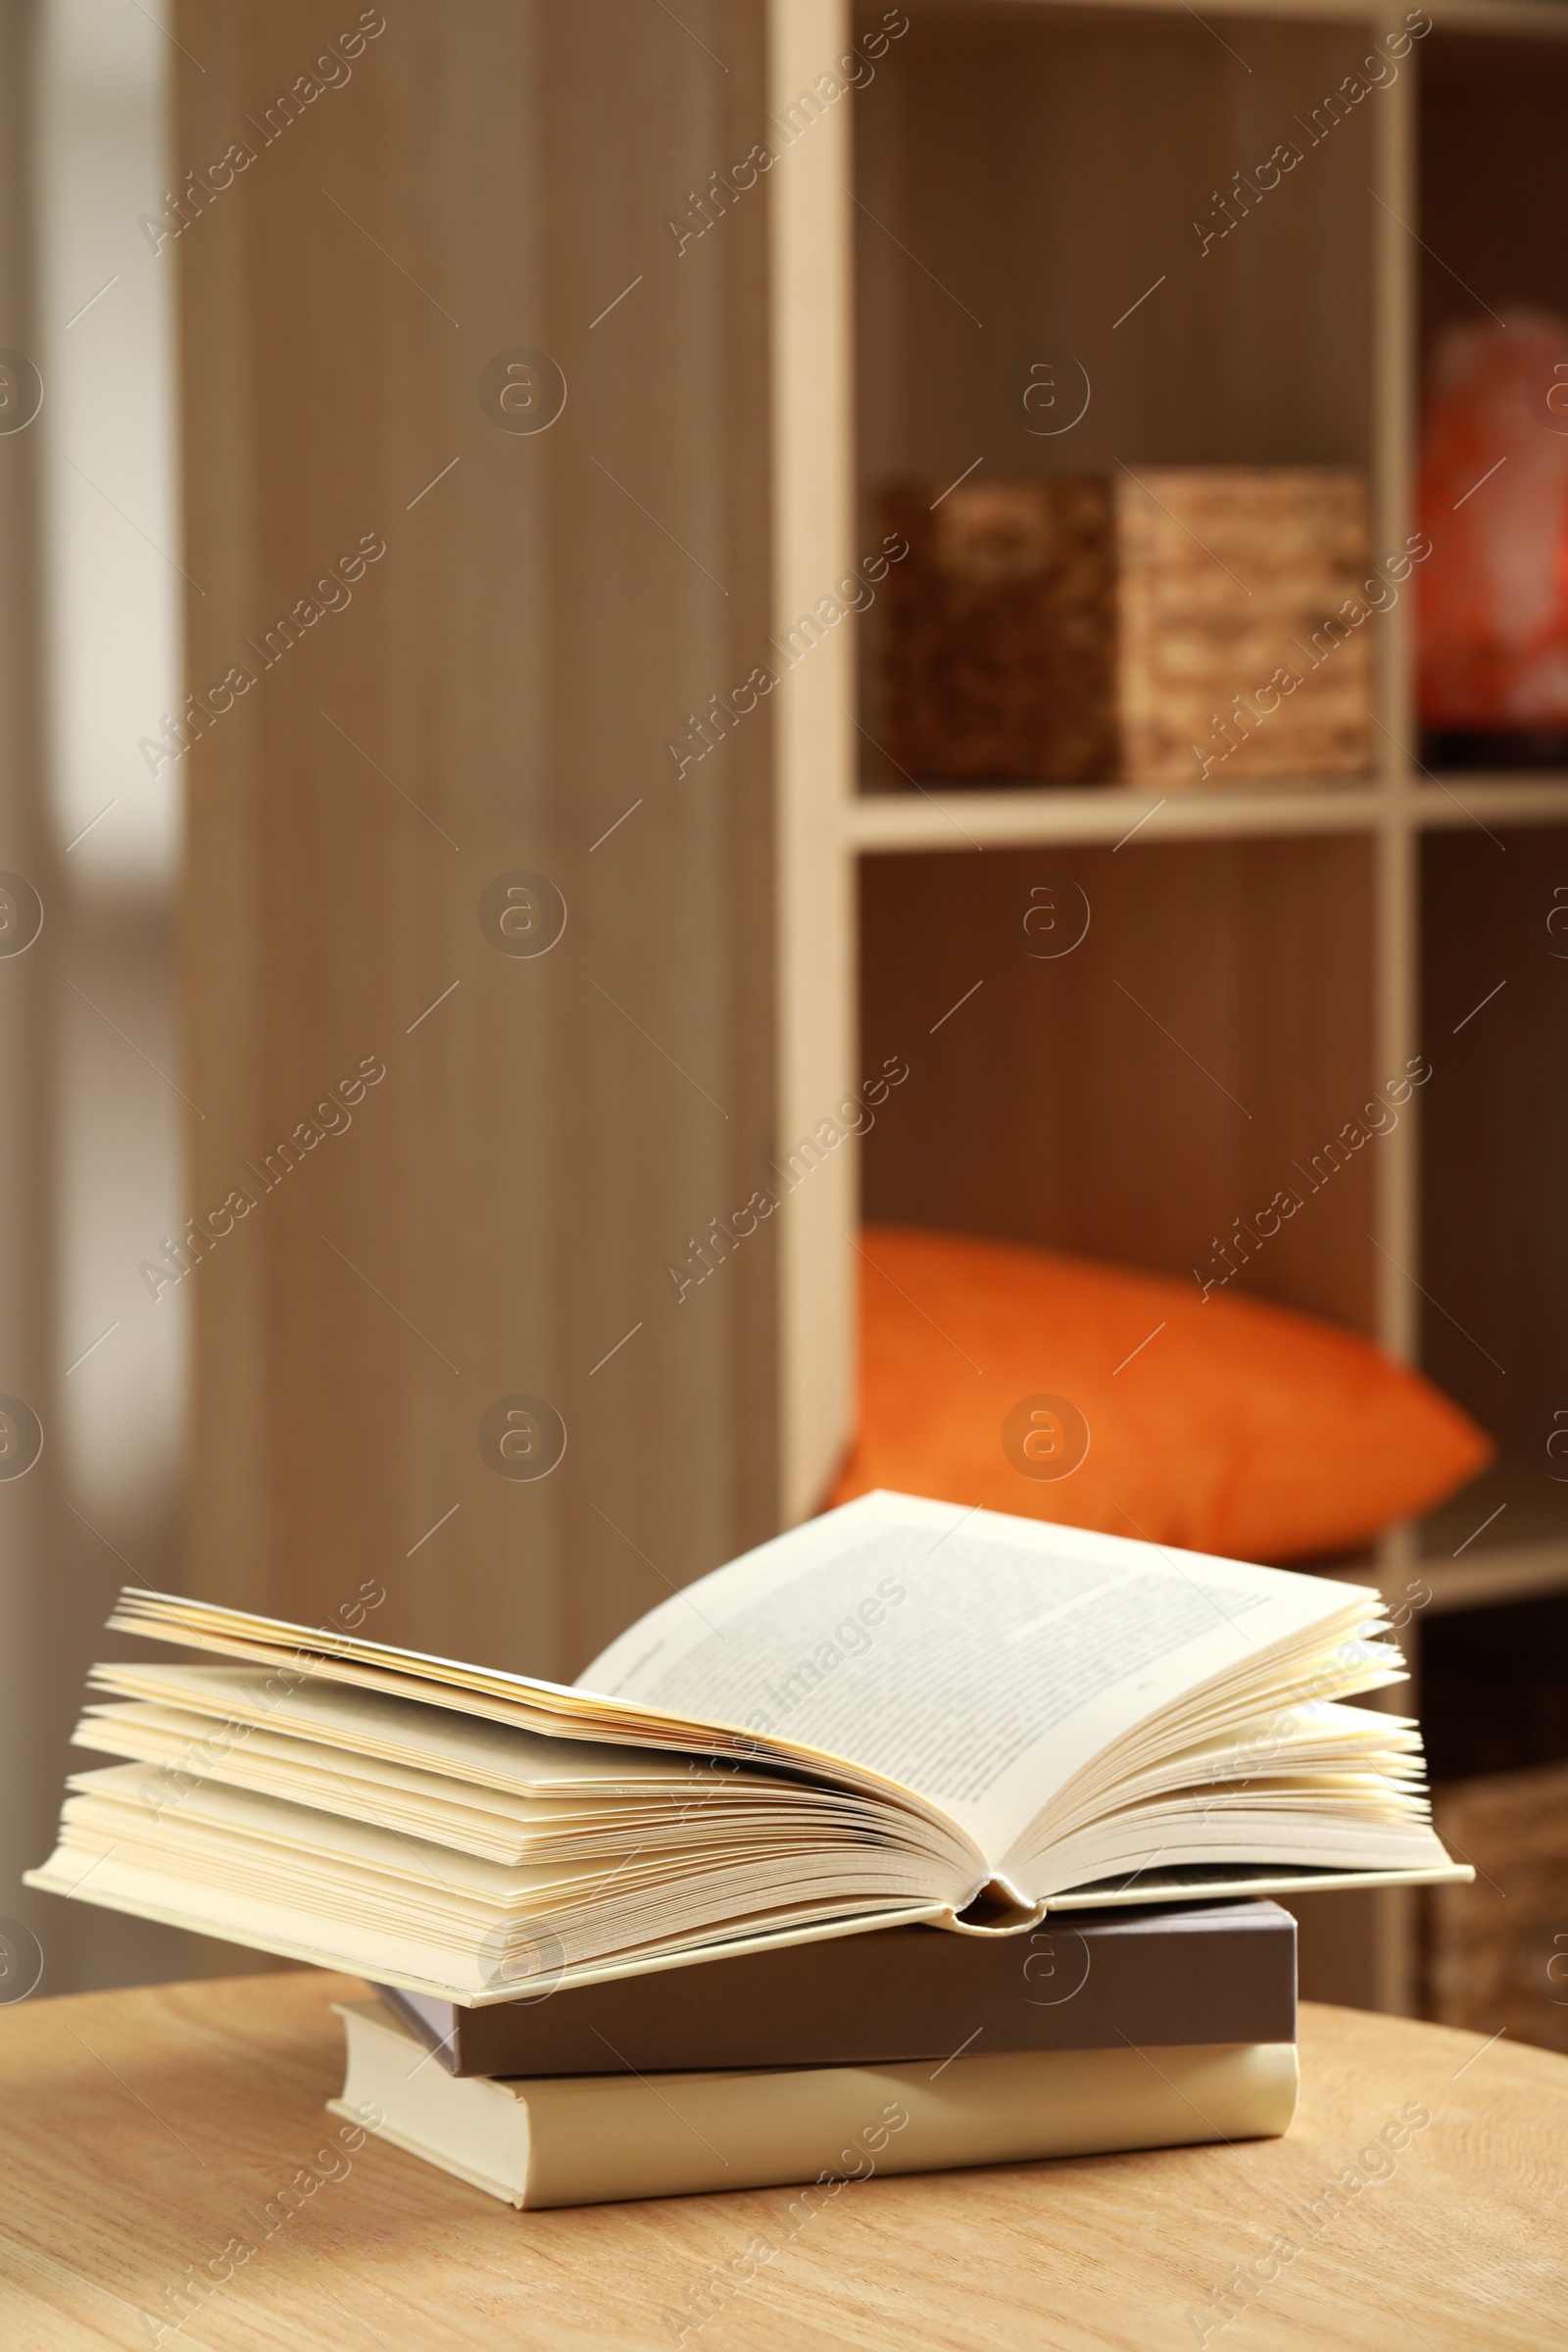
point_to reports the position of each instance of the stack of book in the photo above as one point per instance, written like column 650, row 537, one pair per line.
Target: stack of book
column 672, row 1927
column 899, row 2051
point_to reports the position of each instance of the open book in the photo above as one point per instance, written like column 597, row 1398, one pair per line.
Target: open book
column 899, row 1711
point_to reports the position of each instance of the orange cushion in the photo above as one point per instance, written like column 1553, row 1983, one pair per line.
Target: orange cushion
column 1238, row 1428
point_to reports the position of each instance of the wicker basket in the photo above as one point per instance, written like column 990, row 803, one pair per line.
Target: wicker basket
column 1497, row 1950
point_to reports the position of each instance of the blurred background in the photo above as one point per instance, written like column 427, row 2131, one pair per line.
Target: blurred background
column 816, row 747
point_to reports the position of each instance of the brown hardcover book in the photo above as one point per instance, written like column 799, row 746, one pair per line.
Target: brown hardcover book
column 1197, row 1974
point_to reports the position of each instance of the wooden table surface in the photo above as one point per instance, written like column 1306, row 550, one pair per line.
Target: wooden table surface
column 143, row 2133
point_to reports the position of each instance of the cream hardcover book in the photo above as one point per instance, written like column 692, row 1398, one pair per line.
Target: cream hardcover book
column 899, row 1711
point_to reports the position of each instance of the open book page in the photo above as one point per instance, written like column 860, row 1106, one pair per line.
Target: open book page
column 358, row 1893
column 981, row 1660
column 238, row 1702
column 300, row 1656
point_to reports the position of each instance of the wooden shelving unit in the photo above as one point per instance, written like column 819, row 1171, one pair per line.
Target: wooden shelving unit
column 558, row 605
column 1023, row 171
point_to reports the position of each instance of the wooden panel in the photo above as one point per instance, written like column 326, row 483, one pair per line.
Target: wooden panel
column 1132, row 1098
column 151, row 2136
column 500, row 696
column 1492, row 208
column 1494, row 1022
column 812, row 474
column 35, row 1686
column 1044, row 167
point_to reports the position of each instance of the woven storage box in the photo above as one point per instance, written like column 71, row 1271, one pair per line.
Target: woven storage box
column 1001, row 631
column 1197, row 625
column 1498, row 1949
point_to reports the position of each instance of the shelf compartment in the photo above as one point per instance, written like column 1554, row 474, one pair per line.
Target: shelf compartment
column 1494, row 257
column 1495, row 1168
column 1209, row 325
column 1131, row 1098
column 1495, row 1688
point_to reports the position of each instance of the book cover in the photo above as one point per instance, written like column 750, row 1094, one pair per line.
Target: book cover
column 1183, row 1973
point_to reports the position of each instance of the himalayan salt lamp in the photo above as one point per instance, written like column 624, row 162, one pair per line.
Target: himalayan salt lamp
column 1493, row 502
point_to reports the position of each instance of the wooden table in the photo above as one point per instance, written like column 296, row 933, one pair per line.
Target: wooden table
column 143, row 2132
